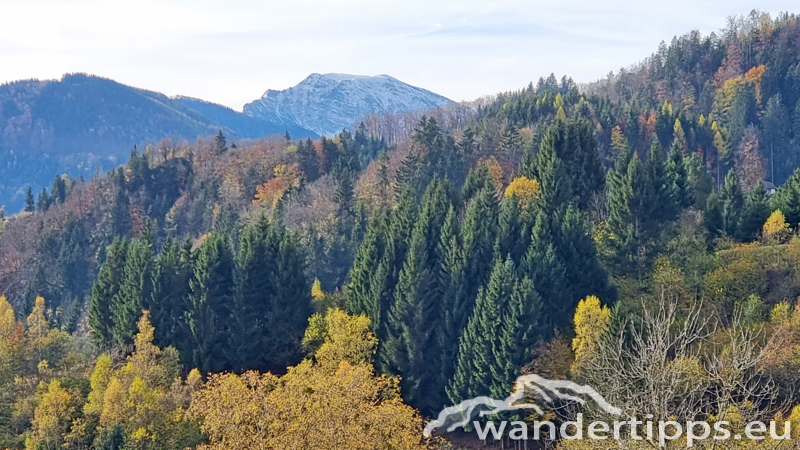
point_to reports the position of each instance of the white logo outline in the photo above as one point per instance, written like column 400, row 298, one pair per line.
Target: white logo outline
column 532, row 382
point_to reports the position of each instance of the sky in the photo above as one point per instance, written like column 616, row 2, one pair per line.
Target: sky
column 231, row 51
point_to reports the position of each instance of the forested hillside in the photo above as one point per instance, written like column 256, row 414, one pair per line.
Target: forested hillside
column 624, row 234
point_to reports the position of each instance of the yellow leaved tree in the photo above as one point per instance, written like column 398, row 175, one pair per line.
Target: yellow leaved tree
column 332, row 402
column 12, row 337
column 316, row 291
column 53, row 417
column 146, row 397
column 526, row 190
column 591, row 320
column 337, row 336
column 775, row 229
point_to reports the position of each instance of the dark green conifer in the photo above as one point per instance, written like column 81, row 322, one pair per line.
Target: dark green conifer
column 755, row 213
column 787, row 199
column 105, row 290
column 415, row 314
column 732, row 199
column 134, row 291
column 211, row 289
column 30, row 205
column 220, row 143
column 678, row 178
column 170, row 296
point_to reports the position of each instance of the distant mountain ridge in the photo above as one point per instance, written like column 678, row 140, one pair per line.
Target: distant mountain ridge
column 328, row 103
column 243, row 125
column 84, row 123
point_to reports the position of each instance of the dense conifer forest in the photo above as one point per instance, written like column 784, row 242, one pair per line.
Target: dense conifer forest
column 639, row 234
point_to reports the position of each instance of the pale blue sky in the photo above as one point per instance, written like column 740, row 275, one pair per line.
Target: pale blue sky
column 231, row 51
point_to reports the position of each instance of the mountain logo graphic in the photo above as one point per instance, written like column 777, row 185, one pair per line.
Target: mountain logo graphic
column 548, row 390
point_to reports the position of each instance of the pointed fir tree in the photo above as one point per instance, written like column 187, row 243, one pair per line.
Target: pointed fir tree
column 477, row 180
column 583, row 273
column 663, row 181
column 756, row 211
column 472, row 376
column 43, row 201
column 453, row 311
column 712, row 215
column 211, row 289
column 120, row 215
column 551, row 171
column 30, row 203
column 220, row 143
column 415, row 314
column 516, row 337
column 134, row 291
column 678, row 178
column 58, row 190
column 619, row 190
column 363, row 295
column 344, row 196
column 308, row 160
column 254, row 266
column 388, row 270
column 542, row 264
column 289, row 306
column 105, row 290
column 787, row 199
column 732, row 199
column 512, row 240
column 499, row 336
column 169, row 299
column 478, row 236
column 568, row 164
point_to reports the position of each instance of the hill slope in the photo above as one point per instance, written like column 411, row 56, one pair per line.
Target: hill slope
column 328, row 103
column 78, row 124
column 243, row 125
column 83, row 123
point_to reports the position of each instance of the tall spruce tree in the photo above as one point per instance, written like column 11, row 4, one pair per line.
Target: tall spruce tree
column 105, row 290
column 787, row 199
column 368, row 276
column 308, row 159
column 388, row 270
column 211, row 289
column 415, row 315
column 663, row 183
column 134, row 291
column 478, row 236
column 568, row 165
column 547, row 271
column 289, row 306
column 513, row 234
column 120, row 215
column 619, row 190
column 59, row 190
column 497, row 340
column 732, row 199
column 583, row 273
column 515, row 339
column 254, row 266
column 755, row 213
column 678, row 178
column 220, row 143
column 712, row 215
column 30, row 203
column 169, row 300
column 454, row 312
column 43, row 201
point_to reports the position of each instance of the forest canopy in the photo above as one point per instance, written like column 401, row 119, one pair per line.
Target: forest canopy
column 639, row 234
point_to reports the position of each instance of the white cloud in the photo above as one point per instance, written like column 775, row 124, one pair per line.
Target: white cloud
column 231, row 51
